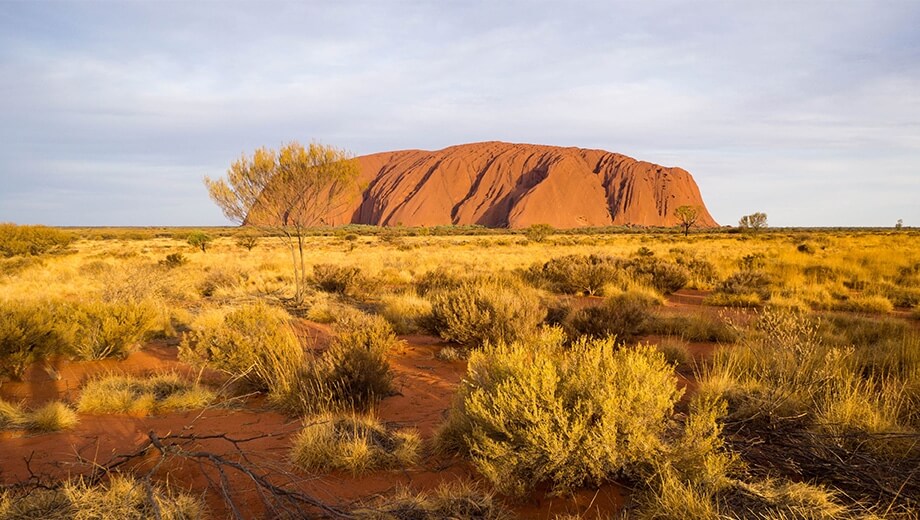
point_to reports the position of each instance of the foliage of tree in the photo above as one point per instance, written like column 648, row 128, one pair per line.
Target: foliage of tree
column 754, row 222
column 200, row 240
column 687, row 217
column 291, row 189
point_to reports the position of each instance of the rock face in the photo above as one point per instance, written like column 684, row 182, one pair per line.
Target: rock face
column 500, row 184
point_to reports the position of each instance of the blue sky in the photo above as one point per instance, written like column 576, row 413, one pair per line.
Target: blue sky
column 111, row 113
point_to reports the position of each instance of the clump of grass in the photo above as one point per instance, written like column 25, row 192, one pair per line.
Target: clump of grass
column 51, row 417
column 161, row 393
column 406, row 312
column 457, row 501
column 336, row 278
column 692, row 327
column 870, row 304
column 744, row 284
column 677, row 353
column 122, row 497
column 743, row 300
column 538, row 411
column 353, row 443
column 449, row 354
column 485, row 310
column 622, row 315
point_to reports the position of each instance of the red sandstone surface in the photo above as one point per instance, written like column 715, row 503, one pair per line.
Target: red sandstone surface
column 498, row 184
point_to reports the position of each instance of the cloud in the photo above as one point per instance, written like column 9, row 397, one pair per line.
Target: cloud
column 803, row 110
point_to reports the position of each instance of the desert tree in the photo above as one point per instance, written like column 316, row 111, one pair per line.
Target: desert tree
column 289, row 190
column 754, row 222
column 200, row 240
column 687, row 217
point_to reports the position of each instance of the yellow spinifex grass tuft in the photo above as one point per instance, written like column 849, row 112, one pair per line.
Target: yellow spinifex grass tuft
column 120, row 498
column 353, row 443
column 142, row 396
column 51, row 417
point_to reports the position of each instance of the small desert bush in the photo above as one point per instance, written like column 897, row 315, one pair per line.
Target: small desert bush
column 677, row 354
column 869, row 304
column 121, row 497
column 336, row 278
column 485, row 310
column 406, row 312
column 747, row 282
column 31, row 240
column 539, row 411
column 173, row 260
column 51, row 417
column 353, row 443
column 692, row 327
column 743, row 300
column 355, row 367
column 662, row 275
column 576, row 274
column 456, row 501
column 254, row 342
column 438, row 279
column 161, row 393
column 622, row 315
column 101, row 330
column 29, row 332
column 218, row 279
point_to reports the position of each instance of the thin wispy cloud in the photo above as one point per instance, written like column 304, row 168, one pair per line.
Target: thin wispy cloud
column 114, row 111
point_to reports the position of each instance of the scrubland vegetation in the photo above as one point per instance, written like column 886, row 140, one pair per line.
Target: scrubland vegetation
column 718, row 375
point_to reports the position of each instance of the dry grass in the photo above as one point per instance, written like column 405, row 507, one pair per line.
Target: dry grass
column 50, row 417
column 116, row 394
column 458, row 501
column 352, row 443
column 121, row 498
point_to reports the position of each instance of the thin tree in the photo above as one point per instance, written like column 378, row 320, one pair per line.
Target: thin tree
column 687, row 217
column 754, row 222
column 289, row 190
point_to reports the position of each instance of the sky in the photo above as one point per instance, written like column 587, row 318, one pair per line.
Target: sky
column 112, row 112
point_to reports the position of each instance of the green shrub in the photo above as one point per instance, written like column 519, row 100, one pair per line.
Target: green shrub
column 99, row 330
column 352, row 443
column 576, row 274
column 485, row 310
column 539, row 232
column 31, row 240
column 700, row 269
column 254, row 342
column 200, row 240
column 336, row 278
column 140, row 397
column 537, row 411
column 173, row 260
column 28, row 332
column 622, row 315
